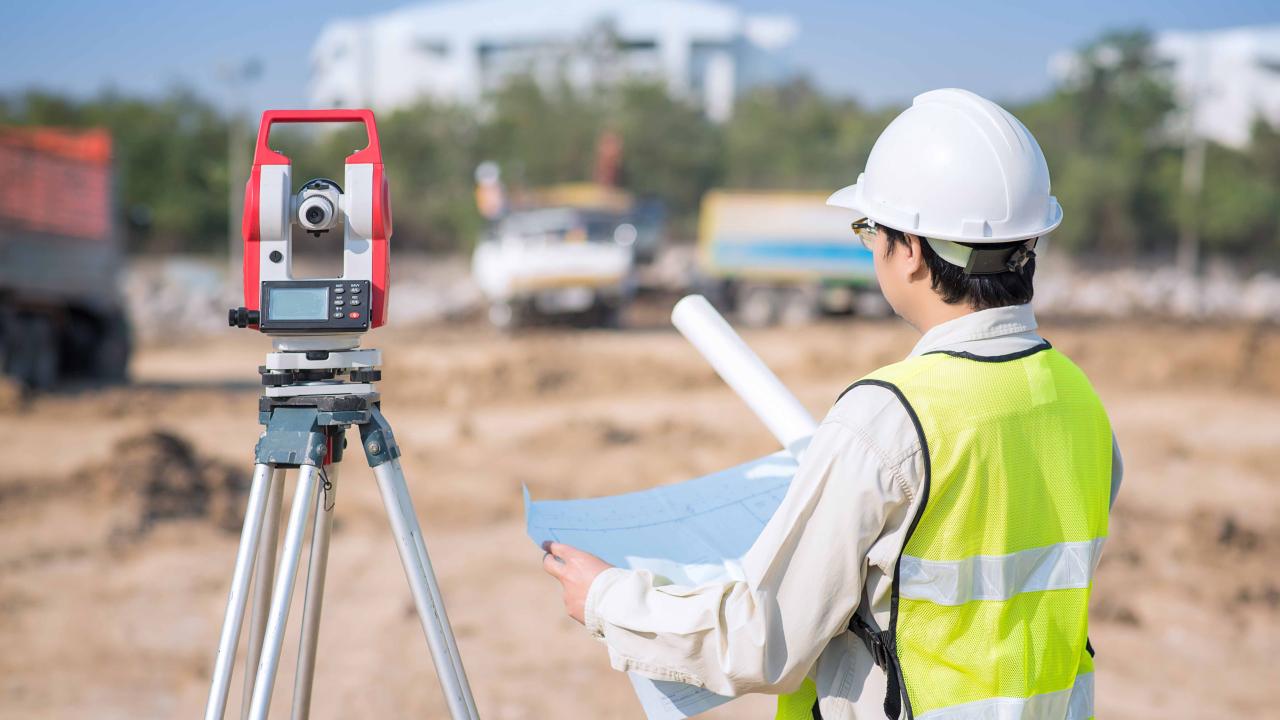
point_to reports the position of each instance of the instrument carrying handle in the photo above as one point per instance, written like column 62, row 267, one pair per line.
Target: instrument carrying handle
column 264, row 155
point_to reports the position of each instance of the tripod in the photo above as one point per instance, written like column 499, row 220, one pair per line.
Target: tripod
column 307, row 407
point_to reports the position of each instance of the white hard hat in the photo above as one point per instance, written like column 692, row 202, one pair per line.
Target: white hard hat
column 956, row 166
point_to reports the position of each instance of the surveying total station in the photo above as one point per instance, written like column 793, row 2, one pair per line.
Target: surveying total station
column 317, row 384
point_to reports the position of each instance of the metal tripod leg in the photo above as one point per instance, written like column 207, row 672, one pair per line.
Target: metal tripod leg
column 264, row 570
column 216, row 705
column 282, row 591
column 454, row 655
column 426, row 594
column 322, row 527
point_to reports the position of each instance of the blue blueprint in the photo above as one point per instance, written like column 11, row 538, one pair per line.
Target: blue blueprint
column 690, row 533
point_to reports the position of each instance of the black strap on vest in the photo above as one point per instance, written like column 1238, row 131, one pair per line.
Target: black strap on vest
column 880, row 645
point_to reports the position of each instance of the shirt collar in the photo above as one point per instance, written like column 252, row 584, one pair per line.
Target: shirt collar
column 980, row 325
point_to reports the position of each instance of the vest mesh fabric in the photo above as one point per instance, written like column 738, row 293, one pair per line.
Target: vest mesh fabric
column 799, row 704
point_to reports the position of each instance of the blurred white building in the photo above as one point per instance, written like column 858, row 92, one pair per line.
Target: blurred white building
column 1224, row 79
column 457, row 50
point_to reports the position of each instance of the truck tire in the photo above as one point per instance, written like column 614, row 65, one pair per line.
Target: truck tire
column 871, row 303
column 112, row 351
column 798, row 306
column 506, row 316
column 609, row 313
column 33, row 357
column 757, row 306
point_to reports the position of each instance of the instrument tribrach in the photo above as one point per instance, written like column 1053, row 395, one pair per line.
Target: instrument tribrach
column 318, row 383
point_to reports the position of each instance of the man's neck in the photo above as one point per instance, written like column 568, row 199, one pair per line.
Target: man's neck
column 936, row 313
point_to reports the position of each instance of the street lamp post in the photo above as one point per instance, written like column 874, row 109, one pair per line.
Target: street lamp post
column 237, row 76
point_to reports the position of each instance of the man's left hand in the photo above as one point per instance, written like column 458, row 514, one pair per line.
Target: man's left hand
column 575, row 570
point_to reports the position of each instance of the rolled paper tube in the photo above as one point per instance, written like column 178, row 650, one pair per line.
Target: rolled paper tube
column 745, row 372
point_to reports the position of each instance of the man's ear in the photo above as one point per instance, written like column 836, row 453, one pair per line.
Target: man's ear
column 914, row 260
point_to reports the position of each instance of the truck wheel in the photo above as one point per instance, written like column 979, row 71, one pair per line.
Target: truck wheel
column 871, row 304
column 111, row 354
column 798, row 307
column 505, row 316
column 611, row 314
column 757, row 306
column 34, row 358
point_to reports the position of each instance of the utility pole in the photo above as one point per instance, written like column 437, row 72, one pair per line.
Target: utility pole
column 237, row 76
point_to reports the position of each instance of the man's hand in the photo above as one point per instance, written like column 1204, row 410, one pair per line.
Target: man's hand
column 575, row 570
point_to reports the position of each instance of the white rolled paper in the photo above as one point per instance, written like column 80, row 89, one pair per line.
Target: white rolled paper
column 745, row 372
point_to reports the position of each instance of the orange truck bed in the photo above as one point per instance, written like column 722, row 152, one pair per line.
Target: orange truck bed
column 56, row 182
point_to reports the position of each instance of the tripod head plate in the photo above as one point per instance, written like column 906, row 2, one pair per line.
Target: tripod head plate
column 320, row 388
column 332, row 360
column 308, row 343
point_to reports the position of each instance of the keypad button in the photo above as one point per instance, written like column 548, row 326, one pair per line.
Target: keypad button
column 355, row 301
column 339, row 289
column 340, row 301
column 338, row 314
column 354, row 315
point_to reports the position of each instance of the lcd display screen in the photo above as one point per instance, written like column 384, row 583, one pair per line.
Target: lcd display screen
column 305, row 303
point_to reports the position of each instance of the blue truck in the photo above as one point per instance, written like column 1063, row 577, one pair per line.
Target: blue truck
column 783, row 257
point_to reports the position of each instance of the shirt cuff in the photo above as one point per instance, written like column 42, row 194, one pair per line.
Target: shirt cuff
column 590, row 615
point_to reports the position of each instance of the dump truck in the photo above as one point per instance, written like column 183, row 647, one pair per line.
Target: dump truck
column 62, row 314
column 770, row 257
column 567, row 252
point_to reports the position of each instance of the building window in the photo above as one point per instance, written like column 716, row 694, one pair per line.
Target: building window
column 433, row 48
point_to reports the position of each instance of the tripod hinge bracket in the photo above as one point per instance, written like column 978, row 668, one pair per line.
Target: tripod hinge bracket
column 378, row 441
column 294, row 437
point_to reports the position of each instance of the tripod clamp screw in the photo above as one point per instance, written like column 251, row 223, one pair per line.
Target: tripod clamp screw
column 373, row 447
column 365, row 375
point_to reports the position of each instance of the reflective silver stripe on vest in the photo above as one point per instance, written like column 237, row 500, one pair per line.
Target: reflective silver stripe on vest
column 1074, row 703
column 999, row 577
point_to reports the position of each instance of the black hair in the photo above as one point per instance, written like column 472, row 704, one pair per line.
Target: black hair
column 981, row 292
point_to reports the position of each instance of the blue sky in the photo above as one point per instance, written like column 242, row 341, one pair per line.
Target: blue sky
column 879, row 52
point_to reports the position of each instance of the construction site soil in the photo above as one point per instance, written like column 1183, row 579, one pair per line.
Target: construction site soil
column 119, row 509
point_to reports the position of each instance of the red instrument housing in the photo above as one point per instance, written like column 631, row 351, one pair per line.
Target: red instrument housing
column 381, row 202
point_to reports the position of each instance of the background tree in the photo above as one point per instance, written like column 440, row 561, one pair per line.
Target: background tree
column 170, row 156
column 1109, row 130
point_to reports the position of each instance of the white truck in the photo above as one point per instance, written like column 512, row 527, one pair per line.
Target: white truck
column 557, row 263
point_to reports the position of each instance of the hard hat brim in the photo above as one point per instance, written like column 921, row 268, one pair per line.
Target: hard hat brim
column 844, row 198
column 848, row 197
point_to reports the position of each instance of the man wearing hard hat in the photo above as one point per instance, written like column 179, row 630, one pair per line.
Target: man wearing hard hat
column 934, row 555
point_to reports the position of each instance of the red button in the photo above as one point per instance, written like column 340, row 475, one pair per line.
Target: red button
column 354, row 315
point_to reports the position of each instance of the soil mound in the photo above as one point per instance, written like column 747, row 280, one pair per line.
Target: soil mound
column 158, row 476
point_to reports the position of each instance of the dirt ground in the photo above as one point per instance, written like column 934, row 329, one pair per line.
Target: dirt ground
column 118, row 511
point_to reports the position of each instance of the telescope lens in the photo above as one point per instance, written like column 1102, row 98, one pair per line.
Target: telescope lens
column 315, row 215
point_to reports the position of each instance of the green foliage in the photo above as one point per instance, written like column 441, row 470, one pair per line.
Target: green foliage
column 538, row 136
column 793, row 137
column 670, row 150
column 1241, row 205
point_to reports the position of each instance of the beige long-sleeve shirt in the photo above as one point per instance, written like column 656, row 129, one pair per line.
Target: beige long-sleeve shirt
column 829, row 549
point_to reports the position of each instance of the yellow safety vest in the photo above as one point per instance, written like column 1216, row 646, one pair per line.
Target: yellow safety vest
column 989, row 612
